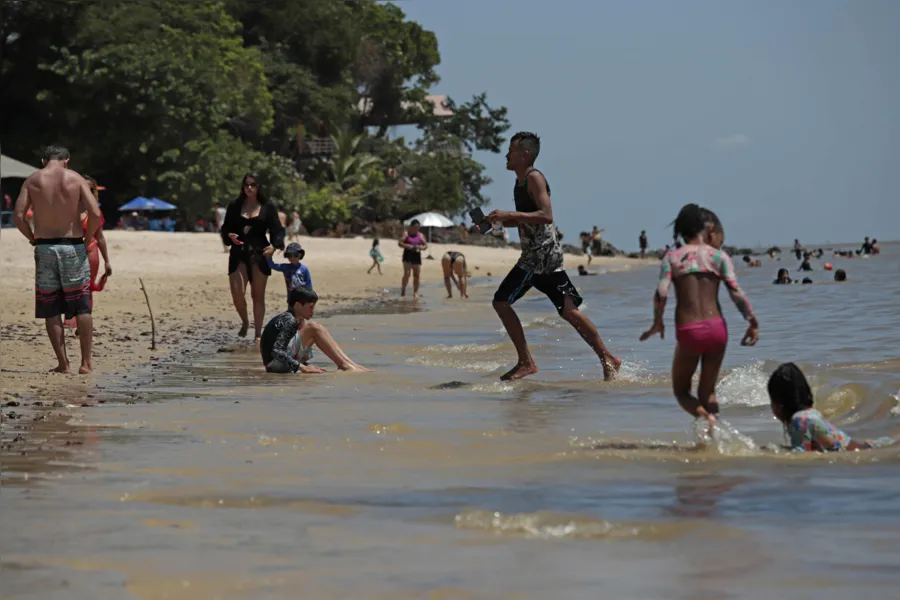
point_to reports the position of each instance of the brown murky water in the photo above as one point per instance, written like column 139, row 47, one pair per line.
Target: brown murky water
column 432, row 479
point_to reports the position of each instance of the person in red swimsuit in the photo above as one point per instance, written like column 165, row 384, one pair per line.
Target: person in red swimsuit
column 96, row 248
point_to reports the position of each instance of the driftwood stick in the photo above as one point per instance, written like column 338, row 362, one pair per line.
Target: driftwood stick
column 152, row 322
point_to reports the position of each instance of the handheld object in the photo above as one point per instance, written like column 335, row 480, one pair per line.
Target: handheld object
column 477, row 216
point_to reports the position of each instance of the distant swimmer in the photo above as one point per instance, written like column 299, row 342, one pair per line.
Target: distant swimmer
column 751, row 263
column 805, row 266
column 541, row 263
column 840, row 275
column 783, row 277
column 584, row 272
column 792, row 403
column 57, row 197
column 287, row 341
column 454, row 266
column 696, row 270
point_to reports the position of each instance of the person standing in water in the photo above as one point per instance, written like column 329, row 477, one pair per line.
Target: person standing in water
column 541, row 263
column 412, row 242
column 95, row 249
column 56, row 197
column 248, row 220
column 642, row 241
column 696, row 268
column 454, row 266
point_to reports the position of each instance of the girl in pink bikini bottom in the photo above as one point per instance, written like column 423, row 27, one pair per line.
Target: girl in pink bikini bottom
column 696, row 268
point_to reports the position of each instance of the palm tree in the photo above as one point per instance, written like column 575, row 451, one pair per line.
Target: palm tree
column 349, row 166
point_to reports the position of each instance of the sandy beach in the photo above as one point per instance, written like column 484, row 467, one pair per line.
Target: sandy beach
column 185, row 276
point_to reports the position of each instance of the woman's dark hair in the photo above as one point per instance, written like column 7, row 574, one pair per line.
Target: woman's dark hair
column 689, row 223
column 782, row 272
column 374, row 242
column 711, row 218
column 789, row 389
column 92, row 183
column 840, row 275
column 259, row 193
column 414, row 223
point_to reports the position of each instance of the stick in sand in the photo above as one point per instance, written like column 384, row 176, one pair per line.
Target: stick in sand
column 152, row 322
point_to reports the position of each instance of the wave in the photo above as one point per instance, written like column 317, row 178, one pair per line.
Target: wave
column 553, row 525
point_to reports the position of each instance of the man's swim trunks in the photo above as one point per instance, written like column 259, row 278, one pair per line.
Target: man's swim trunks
column 62, row 278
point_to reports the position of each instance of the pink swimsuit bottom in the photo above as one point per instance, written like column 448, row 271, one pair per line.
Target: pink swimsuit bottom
column 703, row 337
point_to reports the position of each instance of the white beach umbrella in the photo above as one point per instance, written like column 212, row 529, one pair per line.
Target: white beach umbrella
column 10, row 167
column 430, row 219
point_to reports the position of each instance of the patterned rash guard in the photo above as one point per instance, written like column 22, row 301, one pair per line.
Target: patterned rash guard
column 700, row 259
column 811, row 432
column 275, row 342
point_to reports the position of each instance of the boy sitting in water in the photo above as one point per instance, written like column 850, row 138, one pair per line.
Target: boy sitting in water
column 293, row 328
column 295, row 274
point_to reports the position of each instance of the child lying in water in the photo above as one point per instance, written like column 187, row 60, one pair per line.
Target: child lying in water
column 288, row 339
column 792, row 404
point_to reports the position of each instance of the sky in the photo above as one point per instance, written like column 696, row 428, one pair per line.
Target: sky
column 783, row 116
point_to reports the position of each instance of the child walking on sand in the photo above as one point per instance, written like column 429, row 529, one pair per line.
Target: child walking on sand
column 792, row 404
column 696, row 268
column 288, row 339
column 377, row 258
column 296, row 275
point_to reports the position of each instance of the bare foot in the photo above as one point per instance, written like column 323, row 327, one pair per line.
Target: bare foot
column 416, row 296
column 519, row 371
column 355, row 368
column 243, row 331
column 611, row 366
column 85, row 370
column 256, row 340
column 64, row 369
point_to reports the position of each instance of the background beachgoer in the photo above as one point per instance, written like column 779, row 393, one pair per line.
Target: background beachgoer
column 250, row 222
column 412, row 242
column 95, row 249
column 377, row 258
column 454, row 267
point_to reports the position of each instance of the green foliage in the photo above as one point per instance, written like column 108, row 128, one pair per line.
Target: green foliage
column 180, row 99
column 475, row 123
column 157, row 76
column 209, row 171
column 326, row 206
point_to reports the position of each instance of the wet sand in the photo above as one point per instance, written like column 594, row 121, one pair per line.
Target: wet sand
column 186, row 279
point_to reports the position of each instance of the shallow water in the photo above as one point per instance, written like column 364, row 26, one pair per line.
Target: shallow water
column 240, row 484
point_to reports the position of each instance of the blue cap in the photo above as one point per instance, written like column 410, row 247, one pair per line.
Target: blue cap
column 294, row 249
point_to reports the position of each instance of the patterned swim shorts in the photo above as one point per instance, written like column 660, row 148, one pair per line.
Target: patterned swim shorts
column 62, row 278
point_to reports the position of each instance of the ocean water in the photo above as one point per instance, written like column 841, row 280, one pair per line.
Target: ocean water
column 430, row 478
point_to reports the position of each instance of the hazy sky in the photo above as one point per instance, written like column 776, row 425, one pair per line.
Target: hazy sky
column 783, row 116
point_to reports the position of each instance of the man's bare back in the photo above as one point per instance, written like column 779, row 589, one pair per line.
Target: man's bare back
column 57, row 196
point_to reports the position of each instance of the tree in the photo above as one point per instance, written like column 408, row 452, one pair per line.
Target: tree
column 146, row 79
column 210, row 171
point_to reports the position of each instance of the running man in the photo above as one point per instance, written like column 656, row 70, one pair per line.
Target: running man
column 57, row 197
column 541, row 263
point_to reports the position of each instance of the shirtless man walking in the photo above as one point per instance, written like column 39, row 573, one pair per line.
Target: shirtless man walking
column 541, row 263
column 57, row 196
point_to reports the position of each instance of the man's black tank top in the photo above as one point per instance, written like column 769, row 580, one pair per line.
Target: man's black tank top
column 524, row 201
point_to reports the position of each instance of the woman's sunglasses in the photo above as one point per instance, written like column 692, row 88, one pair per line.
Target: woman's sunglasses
column 251, row 185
